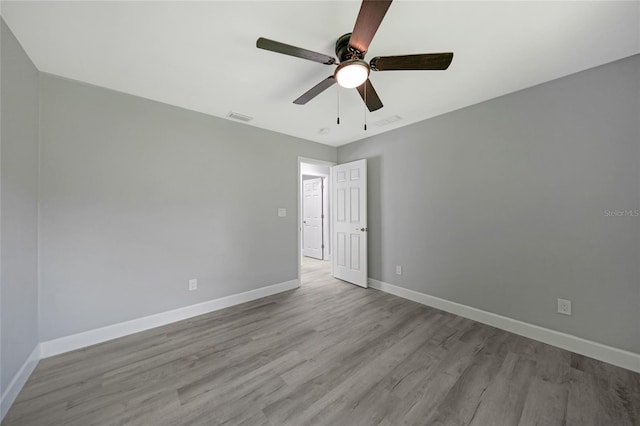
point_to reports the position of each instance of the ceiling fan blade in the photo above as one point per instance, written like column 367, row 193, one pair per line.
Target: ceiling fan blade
column 367, row 23
column 287, row 49
column 316, row 90
column 426, row 61
column 372, row 100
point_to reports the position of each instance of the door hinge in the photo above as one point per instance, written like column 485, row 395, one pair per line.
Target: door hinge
column 321, row 216
column 322, row 246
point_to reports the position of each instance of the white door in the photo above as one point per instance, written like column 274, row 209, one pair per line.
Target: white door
column 349, row 222
column 312, row 218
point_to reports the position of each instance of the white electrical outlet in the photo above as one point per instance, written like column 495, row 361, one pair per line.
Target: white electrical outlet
column 564, row 306
column 193, row 284
column 282, row 212
column 398, row 270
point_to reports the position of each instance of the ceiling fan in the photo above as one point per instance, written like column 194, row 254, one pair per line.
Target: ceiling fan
column 352, row 71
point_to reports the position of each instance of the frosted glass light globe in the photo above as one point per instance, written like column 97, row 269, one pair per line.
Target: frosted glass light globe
column 352, row 73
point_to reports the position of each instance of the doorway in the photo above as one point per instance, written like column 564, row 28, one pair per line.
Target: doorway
column 314, row 209
column 314, row 203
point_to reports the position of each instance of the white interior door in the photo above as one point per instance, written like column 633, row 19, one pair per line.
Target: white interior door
column 312, row 218
column 349, row 222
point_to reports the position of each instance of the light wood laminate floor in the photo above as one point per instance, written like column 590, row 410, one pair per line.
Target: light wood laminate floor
column 329, row 353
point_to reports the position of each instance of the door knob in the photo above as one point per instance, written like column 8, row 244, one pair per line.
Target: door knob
column 362, row 229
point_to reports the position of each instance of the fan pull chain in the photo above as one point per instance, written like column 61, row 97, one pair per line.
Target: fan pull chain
column 338, row 100
column 365, row 106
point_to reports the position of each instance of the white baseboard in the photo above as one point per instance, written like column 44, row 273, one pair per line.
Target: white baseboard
column 99, row 335
column 609, row 354
column 11, row 393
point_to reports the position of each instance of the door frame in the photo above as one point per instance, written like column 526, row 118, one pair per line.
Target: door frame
column 316, row 162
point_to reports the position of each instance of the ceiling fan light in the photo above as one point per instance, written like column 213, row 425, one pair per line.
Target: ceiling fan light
column 352, row 74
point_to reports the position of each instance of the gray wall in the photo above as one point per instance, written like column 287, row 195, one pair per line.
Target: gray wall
column 18, row 207
column 501, row 206
column 137, row 197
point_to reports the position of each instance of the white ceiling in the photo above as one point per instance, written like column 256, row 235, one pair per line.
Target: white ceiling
column 202, row 55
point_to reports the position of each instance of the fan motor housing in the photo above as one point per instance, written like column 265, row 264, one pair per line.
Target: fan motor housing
column 344, row 52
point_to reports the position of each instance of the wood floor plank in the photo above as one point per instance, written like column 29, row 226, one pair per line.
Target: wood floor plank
column 503, row 400
column 347, row 400
column 591, row 399
column 545, row 404
column 329, row 353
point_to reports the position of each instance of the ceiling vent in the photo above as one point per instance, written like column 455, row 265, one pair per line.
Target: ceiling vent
column 239, row 117
column 388, row 120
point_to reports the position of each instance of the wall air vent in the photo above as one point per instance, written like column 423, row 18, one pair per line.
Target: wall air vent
column 239, row 117
column 388, row 120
